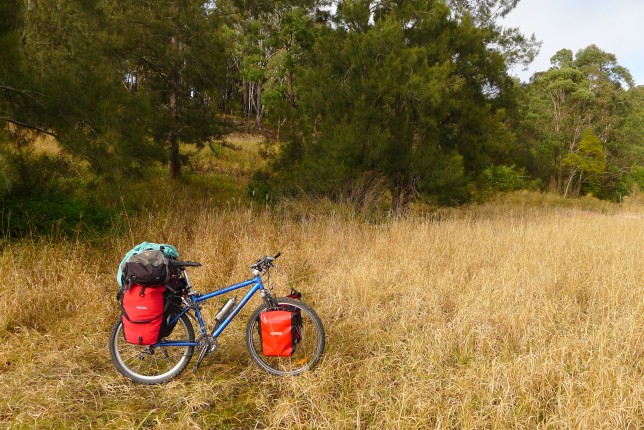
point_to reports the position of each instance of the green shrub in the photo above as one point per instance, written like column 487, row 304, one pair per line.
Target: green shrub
column 503, row 179
column 215, row 148
column 54, row 215
column 260, row 188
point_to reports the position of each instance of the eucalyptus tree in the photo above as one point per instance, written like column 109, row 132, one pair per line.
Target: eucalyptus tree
column 625, row 154
column 580, row 101
column 267, row 40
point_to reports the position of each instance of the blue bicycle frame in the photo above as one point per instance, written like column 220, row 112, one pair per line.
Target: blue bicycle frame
column 257, row 285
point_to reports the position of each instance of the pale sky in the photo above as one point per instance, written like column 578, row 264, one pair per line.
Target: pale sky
column 614, row 26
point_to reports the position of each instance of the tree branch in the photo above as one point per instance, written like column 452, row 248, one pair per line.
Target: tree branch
column 16, row 90
column 27, row 93
column 26, row 125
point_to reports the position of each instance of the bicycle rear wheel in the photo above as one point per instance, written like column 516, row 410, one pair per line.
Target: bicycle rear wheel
column 146, row 364
column 308, row 349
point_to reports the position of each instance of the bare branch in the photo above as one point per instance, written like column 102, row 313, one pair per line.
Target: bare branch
column 26, row 125
column 26, row 93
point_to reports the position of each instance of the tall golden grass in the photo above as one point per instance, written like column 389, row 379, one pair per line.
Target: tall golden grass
column 503, row 316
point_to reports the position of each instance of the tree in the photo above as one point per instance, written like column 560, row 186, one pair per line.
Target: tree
column 401, row 89
column 586, row 162
column 267, row 40
column 77, row 93
column 11, row 94
column 513, row 45
column 581, row 94
column 625, row 154
column 563, row 95
column 171, row 57
column 11, row 65
column 113, row 97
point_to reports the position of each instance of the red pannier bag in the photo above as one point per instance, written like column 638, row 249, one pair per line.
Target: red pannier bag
column 278, row 333
column 143, row 308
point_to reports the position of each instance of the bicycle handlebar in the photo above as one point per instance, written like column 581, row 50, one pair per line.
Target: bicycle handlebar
column 262, row 265
column 265, row 263
column 181, row 264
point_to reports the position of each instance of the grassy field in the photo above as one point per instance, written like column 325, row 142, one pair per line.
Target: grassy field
column 514, row 314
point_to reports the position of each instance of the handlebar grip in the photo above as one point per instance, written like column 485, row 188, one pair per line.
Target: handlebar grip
column 180, row 264
column 277, row 255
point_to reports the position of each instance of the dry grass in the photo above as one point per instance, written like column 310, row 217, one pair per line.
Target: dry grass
column 237, row 155
column 503, row 316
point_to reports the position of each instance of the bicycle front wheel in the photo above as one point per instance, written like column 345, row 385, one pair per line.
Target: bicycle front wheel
column 147, row 364
column 306, row 352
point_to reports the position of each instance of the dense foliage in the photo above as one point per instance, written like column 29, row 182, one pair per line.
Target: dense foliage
column 409, row 93
column 582, row 114
column 408, row 99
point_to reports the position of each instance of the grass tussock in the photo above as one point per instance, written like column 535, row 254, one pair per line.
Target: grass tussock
column 509, row 315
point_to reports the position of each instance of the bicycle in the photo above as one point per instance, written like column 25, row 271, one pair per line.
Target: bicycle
column 163, row 361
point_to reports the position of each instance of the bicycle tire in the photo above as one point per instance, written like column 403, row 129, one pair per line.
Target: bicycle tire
column 145, row 364
column 307, row 352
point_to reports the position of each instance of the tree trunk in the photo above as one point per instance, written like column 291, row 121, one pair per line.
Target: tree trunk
column 259, row 106
column 244, row 101
column 559, row 178
column 553, row 185
column 291, row 89
column 395, row 209
column 366, row 191
column 569, row 182
column 174, row 164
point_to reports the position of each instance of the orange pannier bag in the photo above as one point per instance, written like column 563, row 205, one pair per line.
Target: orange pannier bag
column 277, row 330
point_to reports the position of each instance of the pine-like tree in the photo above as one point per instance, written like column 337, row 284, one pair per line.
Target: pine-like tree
column 401, row 89
column 170, row 55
